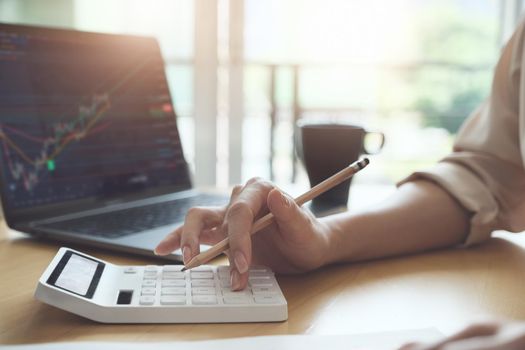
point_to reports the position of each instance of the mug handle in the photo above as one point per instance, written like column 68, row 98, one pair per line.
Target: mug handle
column 381, row 144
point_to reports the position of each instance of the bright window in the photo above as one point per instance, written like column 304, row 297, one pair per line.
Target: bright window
column 413, row 69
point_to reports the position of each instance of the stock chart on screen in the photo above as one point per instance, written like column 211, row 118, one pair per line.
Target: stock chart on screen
column 84, row 115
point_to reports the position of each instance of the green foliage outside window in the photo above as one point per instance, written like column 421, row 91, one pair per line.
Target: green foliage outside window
column 460, row 49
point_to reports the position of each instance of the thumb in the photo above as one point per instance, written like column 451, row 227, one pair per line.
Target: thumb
column 290, row 218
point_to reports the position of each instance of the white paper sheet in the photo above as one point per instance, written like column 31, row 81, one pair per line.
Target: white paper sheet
column 372, row 341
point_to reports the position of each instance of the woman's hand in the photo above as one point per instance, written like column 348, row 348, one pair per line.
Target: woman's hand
column 486, row 336
column 295, row 242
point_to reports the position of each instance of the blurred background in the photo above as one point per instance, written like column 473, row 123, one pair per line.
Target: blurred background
column 242, row 72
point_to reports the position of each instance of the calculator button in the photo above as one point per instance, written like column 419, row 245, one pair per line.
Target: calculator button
column 173, row 291
column 238, row 299
column 148, row 291
column 258, row 273
column 147, row 300
column 230, row 293
column 172, row 268
column 204, row 299
column 130, row 270
column 124, row 297
column 173, row 283
column 223, row 269
column 150, row 276
column 267, row 299
column 203, row 283
column 259, row 277
column 173, row 300
column 264, row 290
column 203, row 291
column 223, row 273
column 149, row 283
column 261, row 283
column 260, row 269
column 226, row 284
column 224, row 277
column 202, row 275
column 151, row 268
column 202, row 269
column 173, row 275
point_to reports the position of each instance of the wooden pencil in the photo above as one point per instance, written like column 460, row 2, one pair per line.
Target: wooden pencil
column 266, row 220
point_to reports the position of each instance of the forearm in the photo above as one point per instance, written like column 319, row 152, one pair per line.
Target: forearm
column 419, row 216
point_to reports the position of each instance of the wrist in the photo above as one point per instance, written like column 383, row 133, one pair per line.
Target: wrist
column 334, row 233
column 341, row 233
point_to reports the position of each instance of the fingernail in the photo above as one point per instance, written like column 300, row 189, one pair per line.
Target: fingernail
column 156, row 251
column 234, row 280
column 285, row 200
column 186, row 254
column 240, row 262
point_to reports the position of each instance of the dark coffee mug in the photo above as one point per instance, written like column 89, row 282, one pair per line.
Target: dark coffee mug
column 325, row 149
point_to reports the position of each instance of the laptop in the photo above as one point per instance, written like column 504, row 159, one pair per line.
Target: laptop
column 90, row 150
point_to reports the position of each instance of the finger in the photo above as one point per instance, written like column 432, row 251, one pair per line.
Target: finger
column 510, row 337
column 482, row 343
column 475, row 343
column 289, row 217
column 410, row 346
column 196, row 220
column 235, row 192
column 239, row 219
column 170, row 243
column 212, row 236
column 476, row 330
column 472, row 331
column 238, row 281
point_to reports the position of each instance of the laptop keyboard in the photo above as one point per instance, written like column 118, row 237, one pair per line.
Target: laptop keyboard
column 128, row 221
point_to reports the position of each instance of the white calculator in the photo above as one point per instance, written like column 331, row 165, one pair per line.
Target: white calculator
column 109, row 293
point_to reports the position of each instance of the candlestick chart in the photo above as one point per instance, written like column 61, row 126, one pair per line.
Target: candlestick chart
column 81, row 120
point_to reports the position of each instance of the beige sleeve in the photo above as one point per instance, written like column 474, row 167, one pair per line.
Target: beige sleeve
column 485, row 172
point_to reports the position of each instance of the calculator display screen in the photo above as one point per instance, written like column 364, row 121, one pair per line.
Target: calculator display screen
column 77, row 274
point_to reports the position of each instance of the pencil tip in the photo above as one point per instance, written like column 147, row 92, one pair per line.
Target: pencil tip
column 183, row 269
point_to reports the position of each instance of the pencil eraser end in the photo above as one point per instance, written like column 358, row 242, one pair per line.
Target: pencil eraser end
column 363, row 163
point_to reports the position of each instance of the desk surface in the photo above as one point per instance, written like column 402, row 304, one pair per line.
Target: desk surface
column 444, row 289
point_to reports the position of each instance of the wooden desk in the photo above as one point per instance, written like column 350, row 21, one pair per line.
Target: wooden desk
column 443, row 289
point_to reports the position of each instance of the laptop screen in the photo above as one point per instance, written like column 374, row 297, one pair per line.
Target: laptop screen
column 84, row 115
